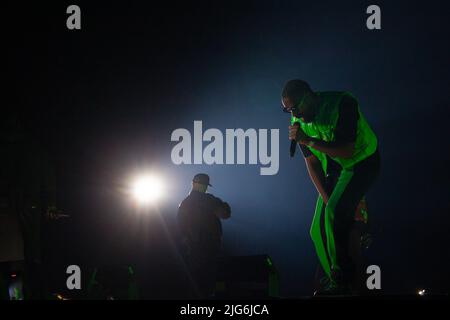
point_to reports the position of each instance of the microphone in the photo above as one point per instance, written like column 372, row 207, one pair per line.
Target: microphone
column 293, row 144
column 293, row 147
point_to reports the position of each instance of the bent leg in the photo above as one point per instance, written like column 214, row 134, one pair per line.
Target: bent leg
column 336, row 227
column 352, row 185
column 318, row 238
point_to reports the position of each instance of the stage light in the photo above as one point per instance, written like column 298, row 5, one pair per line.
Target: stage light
column 147, row 189
column 421, row 292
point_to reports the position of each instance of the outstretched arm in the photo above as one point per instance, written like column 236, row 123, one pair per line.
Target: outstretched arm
column 317, row 175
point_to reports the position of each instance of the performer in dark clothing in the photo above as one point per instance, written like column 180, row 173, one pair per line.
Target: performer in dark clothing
column 201, row 229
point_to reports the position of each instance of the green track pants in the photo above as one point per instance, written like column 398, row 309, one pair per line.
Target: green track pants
column 332, row 223
column 326, row 250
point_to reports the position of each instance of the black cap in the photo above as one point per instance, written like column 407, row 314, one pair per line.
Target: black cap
column 202, row 178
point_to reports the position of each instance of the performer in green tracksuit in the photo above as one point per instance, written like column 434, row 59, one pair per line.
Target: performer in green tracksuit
column 341, row 155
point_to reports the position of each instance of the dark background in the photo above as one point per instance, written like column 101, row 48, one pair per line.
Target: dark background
column 103, row 102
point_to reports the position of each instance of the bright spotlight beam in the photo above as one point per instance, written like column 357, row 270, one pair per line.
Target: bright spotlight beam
column 147, row 189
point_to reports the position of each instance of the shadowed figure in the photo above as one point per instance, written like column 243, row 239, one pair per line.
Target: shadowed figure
column 199, row 218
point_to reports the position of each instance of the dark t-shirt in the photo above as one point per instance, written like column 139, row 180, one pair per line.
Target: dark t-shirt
column 346, row 126
column 197, row 221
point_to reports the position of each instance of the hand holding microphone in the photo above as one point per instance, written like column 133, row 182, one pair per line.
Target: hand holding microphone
column 293, row 129
column 296, row 134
